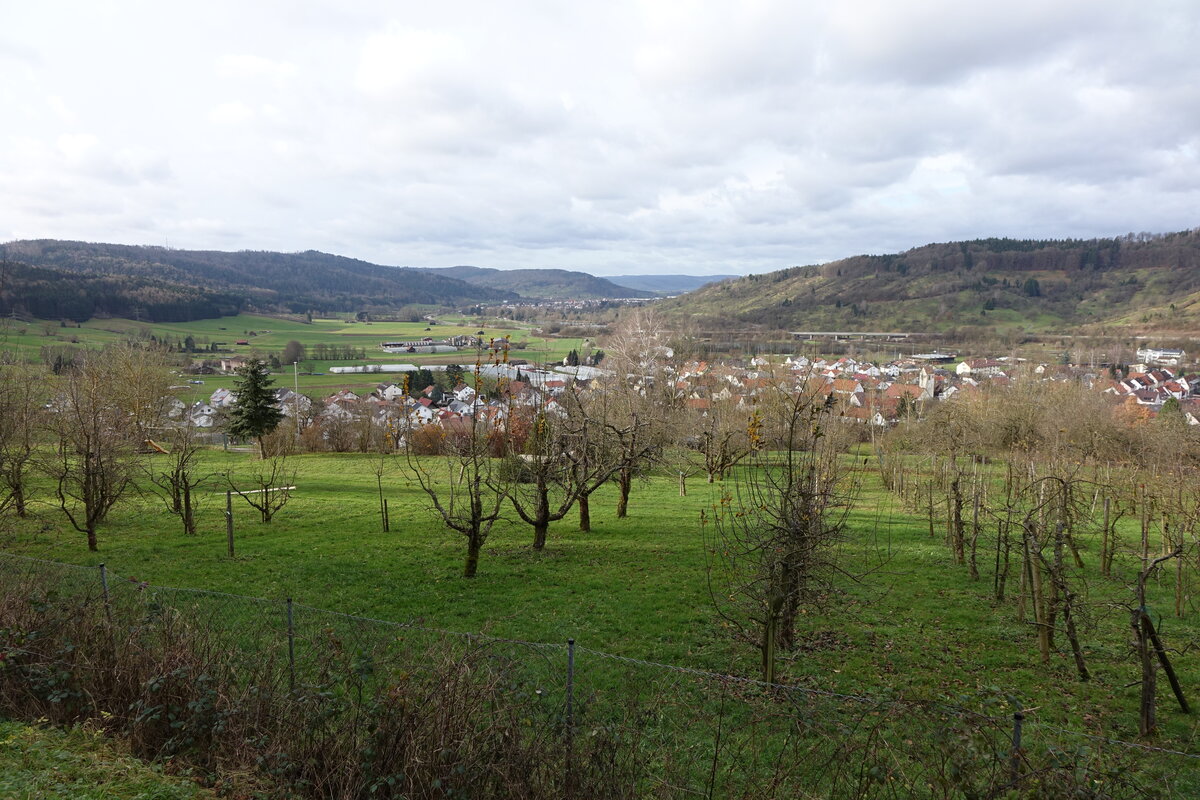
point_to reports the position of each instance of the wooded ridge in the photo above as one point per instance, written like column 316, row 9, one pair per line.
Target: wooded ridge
column 1147, row 280
column 77, row 280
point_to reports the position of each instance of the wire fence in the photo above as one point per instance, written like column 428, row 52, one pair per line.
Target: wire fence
column 318, row 703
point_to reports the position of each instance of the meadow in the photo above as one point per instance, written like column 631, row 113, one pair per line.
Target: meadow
column 268, row 335
column 39, row 763
column 901, row 621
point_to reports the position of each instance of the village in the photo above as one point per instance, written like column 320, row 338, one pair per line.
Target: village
column 863, row 392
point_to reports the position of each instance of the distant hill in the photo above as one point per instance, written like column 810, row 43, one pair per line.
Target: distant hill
column 669, row 284
column 77, row 280
column 1135, row 281
column 60, row 294
column 550, row 284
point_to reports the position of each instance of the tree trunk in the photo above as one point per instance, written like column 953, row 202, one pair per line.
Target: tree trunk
column 1037, row 597
column 1149, row 678
column 1179, row 583
column 541, row 516
column 956, row 520
column 585, row 512
column 972, row 566
column 625, row 482
column 789, row 606
column 931, row 508
column 187, row 513
column 770, row 633
column 1073, row 637
column 1064, row 594
column 1001, row 579
column 91, row 538
column 474, row 545
column 1104, row 547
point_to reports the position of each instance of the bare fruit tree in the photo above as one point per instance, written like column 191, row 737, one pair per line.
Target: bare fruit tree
column 177, row 475
column 718, row 432
column 772, row 535
column 273, row 485
column 637, row 398
column 22, row 401
column 97, row 456
column 546, row 475
column 465, row 484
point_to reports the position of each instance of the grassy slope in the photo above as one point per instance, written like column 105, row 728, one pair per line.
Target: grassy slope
column 908, row 621
column 49, row 764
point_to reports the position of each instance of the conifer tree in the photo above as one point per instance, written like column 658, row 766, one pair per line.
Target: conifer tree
column 255, row 413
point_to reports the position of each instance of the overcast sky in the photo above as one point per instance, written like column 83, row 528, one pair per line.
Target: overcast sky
column 613, row 137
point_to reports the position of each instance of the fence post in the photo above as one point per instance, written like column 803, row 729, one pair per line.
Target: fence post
column 570, row 766
column 1015, row 756
column 229, row 521
column 291, row 636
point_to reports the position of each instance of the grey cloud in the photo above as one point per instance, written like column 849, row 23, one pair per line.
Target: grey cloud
column 617, row 136
column 935, row 43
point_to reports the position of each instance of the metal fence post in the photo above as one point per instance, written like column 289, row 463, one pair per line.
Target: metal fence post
column 291, row 636
column 1015, row 757
column 570, row 766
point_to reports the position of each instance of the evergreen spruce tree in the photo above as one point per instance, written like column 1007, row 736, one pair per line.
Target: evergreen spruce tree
column 255, row 413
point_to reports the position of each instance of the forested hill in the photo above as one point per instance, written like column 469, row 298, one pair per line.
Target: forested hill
column 543, row 283
column 58, row 294
column 1144, row 280
column 76, row 280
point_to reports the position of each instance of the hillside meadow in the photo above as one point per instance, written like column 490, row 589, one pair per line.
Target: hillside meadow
column 902, row 619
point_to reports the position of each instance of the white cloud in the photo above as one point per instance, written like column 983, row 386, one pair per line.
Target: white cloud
column 688, row 136
column 242, row 66
column 230, row 114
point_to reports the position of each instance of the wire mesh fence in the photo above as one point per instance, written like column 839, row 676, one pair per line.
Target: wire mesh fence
column 316, row 703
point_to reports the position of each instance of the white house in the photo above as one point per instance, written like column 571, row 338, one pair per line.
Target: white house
column 1161, row 355
column 222, row 398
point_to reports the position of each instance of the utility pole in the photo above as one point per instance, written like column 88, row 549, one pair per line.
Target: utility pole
column 296, row 396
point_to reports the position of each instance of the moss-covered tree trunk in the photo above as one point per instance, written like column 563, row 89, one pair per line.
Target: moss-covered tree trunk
column 541, row 515
column 474, row 546
column 624, row 483
column 585, row 511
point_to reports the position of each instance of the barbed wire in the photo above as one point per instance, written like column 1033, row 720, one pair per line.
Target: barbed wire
column 51, row 563
column 426, row 629
column 721, row 677
column 692, row 671
column 1121, row 742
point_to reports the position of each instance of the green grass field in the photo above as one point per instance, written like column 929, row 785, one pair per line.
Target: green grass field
column 269, row 335
column 901, row 620
column 48, row 764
